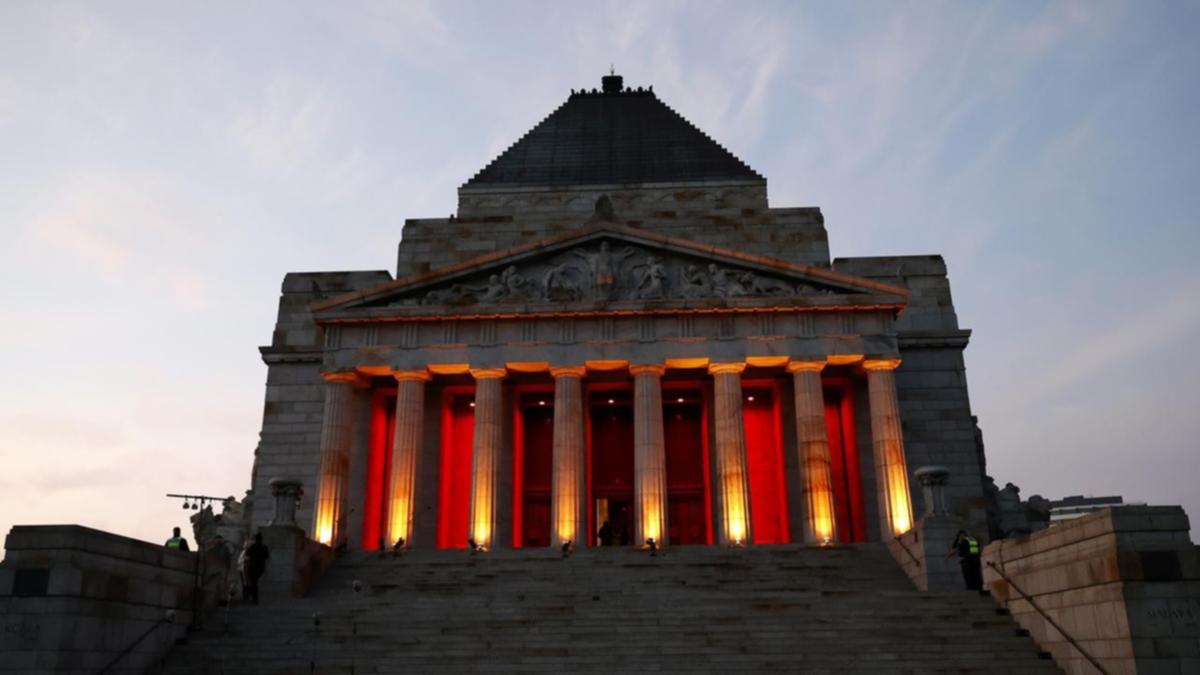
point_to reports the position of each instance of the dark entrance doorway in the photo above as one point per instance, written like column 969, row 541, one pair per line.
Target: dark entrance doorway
column 686, row 451
column 610, row 451
column 535, row 436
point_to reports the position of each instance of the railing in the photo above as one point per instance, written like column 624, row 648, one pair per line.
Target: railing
column 166, row 620
column 1012, row 584
column 910, row 553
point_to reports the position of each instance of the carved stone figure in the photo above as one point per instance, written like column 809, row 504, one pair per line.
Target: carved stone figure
column 557, row 285
column 692, row 283
column 602, row 265
column 457, row 294
column 496, row 291
column 756, row 285
column 518, row 288
column 726, row 283
column 652, row 282
column 204, row 526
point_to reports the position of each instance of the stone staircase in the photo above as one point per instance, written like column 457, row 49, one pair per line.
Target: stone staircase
column 687, row 610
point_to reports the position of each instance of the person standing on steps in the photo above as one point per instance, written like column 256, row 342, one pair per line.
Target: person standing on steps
column 967, row 549
column 177, row 541
column 255, row 556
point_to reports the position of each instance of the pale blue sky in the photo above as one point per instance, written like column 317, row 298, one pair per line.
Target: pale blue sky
column 165, row 164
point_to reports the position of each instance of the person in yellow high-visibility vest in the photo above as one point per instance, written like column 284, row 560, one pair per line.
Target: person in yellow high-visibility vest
column 967, row 549
column 177, row 541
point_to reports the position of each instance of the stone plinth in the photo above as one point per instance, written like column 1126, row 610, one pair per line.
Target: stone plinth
column 1123, row 582
column 295, row 565
column 921, row 553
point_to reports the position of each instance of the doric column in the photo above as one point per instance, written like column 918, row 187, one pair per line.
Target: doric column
column 569, row 457
column 812, row 441
column 485, row 462
column 731, row 454
column 649, row 456
column 335, row 458
column 406, row 449
column 891, row 474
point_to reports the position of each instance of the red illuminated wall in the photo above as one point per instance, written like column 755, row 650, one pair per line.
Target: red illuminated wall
column 533, row 443
column 454, row 494
column 379, row 467
column 686, row 454
column 764, row 462
column 844, row 465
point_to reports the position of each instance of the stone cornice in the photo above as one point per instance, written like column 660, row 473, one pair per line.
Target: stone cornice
column 935, row 339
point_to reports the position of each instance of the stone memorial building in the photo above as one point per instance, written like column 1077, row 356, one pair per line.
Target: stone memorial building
column 617, row 339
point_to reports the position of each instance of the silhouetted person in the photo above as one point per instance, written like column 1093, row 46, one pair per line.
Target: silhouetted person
column 605, row 534
column 967, row 549
column 177, row 541
column 256, row 557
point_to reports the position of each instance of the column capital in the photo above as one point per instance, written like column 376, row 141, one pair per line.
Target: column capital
column 723, row 368
column 568, row 371
column 409, row 375
column 806, row 366
column 348, row 377
column 647, row 369
column 488, row 373
column 880, row 364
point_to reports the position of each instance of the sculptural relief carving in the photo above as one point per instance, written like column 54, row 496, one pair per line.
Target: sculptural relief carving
column 595, row 272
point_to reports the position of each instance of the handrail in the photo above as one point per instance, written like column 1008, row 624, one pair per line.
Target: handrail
column 169, row 619
column 910, row 553
column 1091, row 659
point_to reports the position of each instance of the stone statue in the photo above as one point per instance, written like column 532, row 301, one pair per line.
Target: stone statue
column 204, row 526
column 692, row 283
column 457, row 294
column 602, row 265
column 756, row 285
column 726, row 283
column 557, row 285
column 603, row 210
column 518, row 288
column 496, row 291
column 652, row 282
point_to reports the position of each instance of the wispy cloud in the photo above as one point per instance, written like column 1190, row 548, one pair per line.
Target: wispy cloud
column 285, row 128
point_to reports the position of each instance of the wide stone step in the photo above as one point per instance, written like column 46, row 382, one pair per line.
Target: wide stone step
column 767, row 609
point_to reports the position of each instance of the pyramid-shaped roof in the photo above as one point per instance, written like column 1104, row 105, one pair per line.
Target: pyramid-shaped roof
column 617, row 136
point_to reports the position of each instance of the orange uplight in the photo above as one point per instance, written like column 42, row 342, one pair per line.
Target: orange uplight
column 399, row 522
column 652, row 522
column 821, row 510
column 901, row 512
column 325, row 532
column 735, row 510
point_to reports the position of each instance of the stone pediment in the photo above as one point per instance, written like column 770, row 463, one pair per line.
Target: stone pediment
column 608, row 265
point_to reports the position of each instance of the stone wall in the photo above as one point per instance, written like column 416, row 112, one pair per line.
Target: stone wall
column 290, row 440
column 1123, row 582
column 931, row 382
column 734, row 217
column 72, row 598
